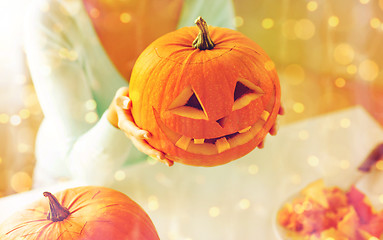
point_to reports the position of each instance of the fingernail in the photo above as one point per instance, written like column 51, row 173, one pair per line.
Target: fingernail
column 274, row 129
column 125, row 103
column 146, row 135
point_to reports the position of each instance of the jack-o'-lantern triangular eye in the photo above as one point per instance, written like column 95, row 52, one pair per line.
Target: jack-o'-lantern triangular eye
column 244, row 93
column 187, row 104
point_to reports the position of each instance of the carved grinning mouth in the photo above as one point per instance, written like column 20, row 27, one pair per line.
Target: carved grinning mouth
column 212, row 146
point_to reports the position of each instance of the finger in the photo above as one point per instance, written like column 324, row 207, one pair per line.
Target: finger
column 126, row 123
column 122, row 91
column 168, row 160
column 261, row 144
column 274, row 129
column 144, row 147
column 124, row 102
column 281, row 110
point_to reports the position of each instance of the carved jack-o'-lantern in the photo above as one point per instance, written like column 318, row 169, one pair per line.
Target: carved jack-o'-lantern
column 208, row 101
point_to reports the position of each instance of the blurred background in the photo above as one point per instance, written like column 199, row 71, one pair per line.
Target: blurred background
column 329, row 56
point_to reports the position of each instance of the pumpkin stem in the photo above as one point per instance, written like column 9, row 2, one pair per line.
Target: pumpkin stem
column 203, row 40
column 57, row 212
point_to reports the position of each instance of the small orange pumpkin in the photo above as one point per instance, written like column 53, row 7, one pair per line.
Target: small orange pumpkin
column 206, row 100
column 81, row 213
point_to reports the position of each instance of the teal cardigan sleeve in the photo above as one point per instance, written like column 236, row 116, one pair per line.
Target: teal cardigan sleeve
column 218, row 13
column 74, row 82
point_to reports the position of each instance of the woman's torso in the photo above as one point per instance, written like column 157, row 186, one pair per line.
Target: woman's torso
column 126, row 28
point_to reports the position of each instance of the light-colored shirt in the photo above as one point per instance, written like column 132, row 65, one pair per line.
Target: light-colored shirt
column 75, row 82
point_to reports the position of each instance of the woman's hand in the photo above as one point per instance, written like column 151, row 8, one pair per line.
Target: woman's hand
column 120, row 116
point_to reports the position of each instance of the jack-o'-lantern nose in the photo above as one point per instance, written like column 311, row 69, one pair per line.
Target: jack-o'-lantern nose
column 222, row 121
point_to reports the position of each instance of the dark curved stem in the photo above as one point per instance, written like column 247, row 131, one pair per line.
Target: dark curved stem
column 375, row 155
column 57, row 212
column 203, row 40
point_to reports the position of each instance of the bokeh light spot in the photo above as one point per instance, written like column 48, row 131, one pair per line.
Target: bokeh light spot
column 15, row 120
column 91, row 117
column 91, row 104
column 298, row 107
column 351, row 69
column 344, row 164
column 238, row 21
column 269, row 65
column 343, row 54
column 379, row 165
column 364, row 1
column 153, row 203
column 345, row 123
column 4, row 118
column 313, row 161
column 312, row 6
column 21, row 182
column 303, row 135
column 267, row 23
column 214, row 211
column 125, row 17
column 304, row 29
column 119, row 175
column 373, row 238
column 94, row 13
column 368, row 70
column 333, row 21
column 24, row 113
column 340, row 82
column 375, row 23
column 244, row 204
column 253, row 169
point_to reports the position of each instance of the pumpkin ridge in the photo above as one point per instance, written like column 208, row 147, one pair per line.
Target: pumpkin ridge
column 150, row 75
column 171, row 54
column 79, row 208
column 41, row 231
column 38, row 231
column 76, row 199
column 98, row 192
column 35, row 210
column 21, row 225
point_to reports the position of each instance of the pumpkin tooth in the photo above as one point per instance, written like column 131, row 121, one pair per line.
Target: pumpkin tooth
column 245, row 129
column 183, row 142
column 199, row 140
column 222, row 144
column 265, row 115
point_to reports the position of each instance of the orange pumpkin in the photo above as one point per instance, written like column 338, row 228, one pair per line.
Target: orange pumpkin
column 81, row 213
column 206, row 100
